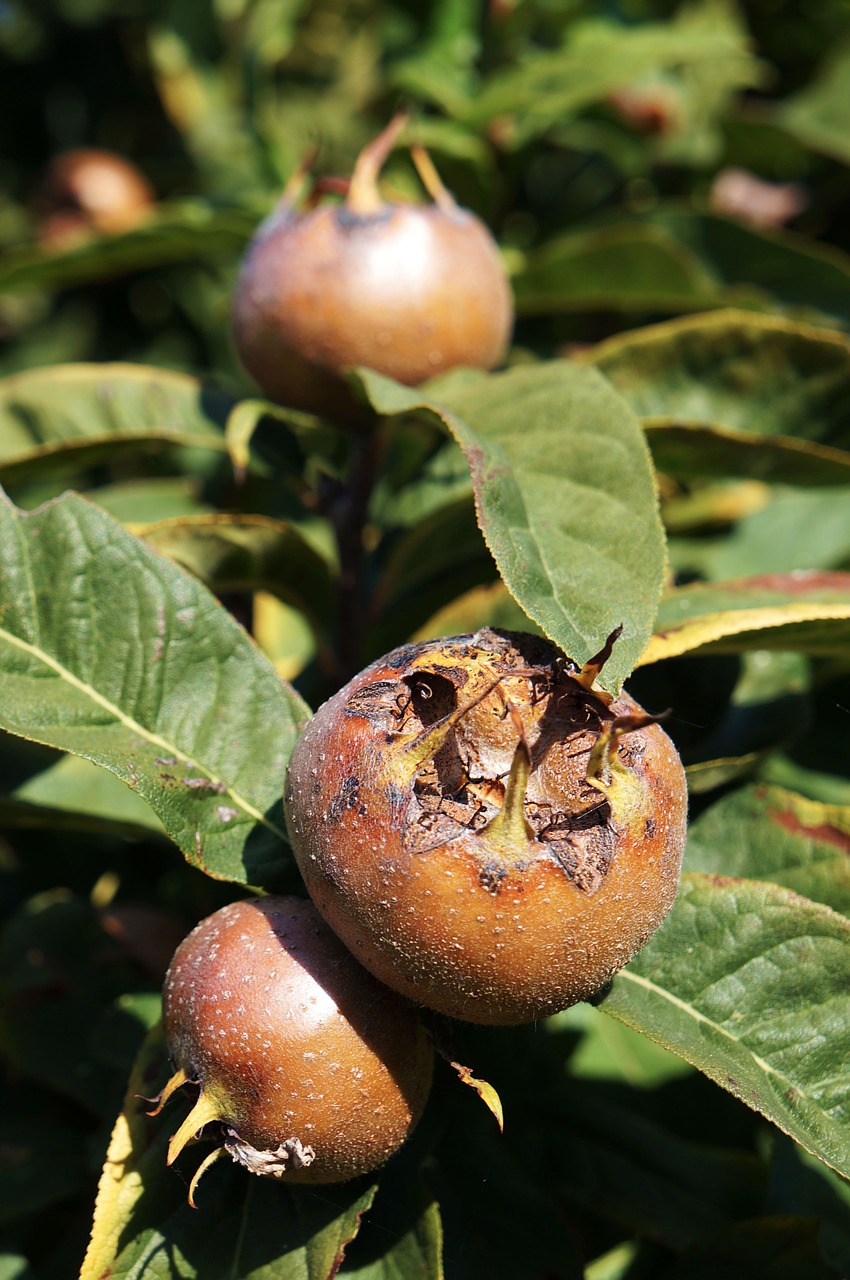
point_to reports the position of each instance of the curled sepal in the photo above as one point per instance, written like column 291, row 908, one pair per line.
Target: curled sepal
column 206, row 1109
column 176, row 1082
column 201, row 1170
column 432, row 181
column 364, row 199
column 588, row 674
column 510, row 831
column 621, row 786
column 485, row 1091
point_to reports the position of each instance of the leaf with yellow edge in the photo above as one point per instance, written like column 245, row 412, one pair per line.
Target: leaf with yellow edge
column 808, row 612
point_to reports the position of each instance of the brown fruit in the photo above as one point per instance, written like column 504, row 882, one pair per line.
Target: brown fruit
column 91, row 190
column 408, row 290
column 488, row 834
column 315, row 1071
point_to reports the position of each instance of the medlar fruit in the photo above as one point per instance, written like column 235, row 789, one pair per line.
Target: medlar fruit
column 488, row 833
column 89, row 190
column 314, row 1071
column 408, row 290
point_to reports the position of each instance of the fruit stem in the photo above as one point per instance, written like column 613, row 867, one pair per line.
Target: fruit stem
column 207, row 1108
column 363, row 198
column 431, row 180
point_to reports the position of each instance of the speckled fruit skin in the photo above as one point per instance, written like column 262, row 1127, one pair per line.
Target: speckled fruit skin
column 302, row 1049
column 410, row 291
column 402, row 856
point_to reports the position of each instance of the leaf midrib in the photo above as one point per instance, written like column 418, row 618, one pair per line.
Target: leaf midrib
column 699, row 1016
column 134, row 726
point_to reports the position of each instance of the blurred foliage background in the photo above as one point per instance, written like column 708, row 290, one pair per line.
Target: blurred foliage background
column 636, row 161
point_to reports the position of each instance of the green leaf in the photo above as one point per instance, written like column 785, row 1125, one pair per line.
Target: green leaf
column 565, row 499
column 795, row 532
column 609, row 1050
column 784, row 1248
column 764, row 268
column 249, row 553
column 625, row 267
column 749, row 982
column 801, row 1184
column 767, row 833
column 601, row 57
column 442, row 554
column 244, row 1225
column 69, row 416
column 40, row 1163
column 126, row 660
column 819, row 115
column 180, row 233
column 61, row 980
column 808, row 612
column 688, row 449
column 79, row 789
column 650, row 1180
column 411, row 1252
column 761, row 375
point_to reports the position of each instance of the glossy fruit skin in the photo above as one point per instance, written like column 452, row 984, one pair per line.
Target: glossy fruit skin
column 94, row 190
column 303, row 1050
column 400, row 856
column 409, row 290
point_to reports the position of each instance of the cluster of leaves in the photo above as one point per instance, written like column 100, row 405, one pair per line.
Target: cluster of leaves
column 668, row 449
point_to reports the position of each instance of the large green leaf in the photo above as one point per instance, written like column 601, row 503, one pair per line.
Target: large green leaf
column 144, row 1226
column 749, row 982
column 565, row 498
column 73, row 415
column 111, row 652
column 762, row 375
column 762, row 832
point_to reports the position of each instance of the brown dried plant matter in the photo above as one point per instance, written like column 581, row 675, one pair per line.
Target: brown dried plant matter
column 312, row 1071
column 488, row 834
column 409, row 290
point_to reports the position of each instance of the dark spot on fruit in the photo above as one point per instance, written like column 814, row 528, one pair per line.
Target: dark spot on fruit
column 347, row 798
column 491, row 876
column 650, row 827
column 373, row 702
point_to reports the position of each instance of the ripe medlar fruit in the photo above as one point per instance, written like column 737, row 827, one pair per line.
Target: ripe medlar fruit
column 315, row 1072
column 408, row 290
column 87, row 190
column 489, row 834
